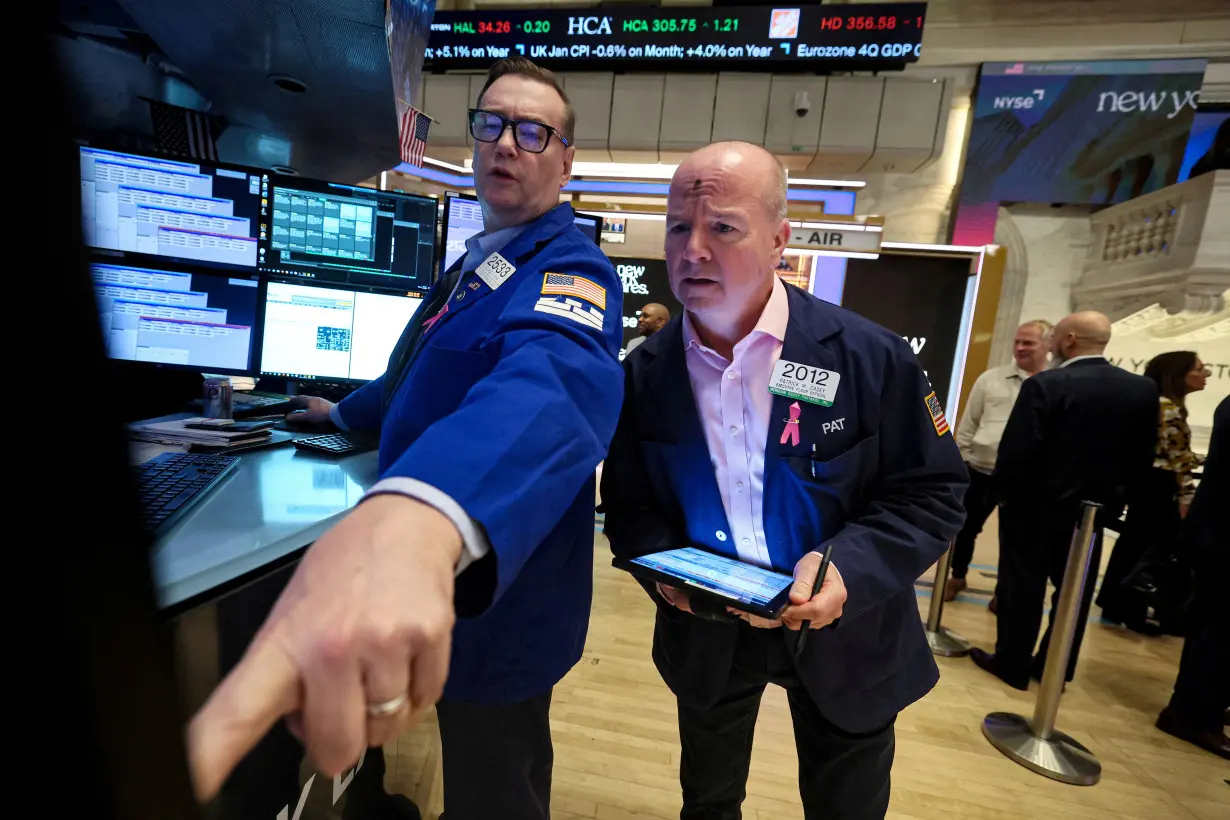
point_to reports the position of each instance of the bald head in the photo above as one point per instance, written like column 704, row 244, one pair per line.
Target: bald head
column 726, row 229
column 735, row 163
column 1081, row 334
column 652, row 319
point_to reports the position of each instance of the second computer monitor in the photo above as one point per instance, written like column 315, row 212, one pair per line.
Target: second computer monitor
column 176, row 318
column 329, row 333
column 590, row 225
column 348, row 235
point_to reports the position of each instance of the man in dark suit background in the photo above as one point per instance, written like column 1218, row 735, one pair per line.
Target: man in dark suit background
column 1083, row 431
column 1196, row 712
column 704, row 455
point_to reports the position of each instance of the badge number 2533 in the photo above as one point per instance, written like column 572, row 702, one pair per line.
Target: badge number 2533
column 804, row 382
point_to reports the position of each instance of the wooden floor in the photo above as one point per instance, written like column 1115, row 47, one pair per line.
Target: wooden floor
column 617, row 746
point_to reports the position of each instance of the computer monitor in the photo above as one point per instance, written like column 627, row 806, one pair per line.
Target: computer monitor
column 330, row 333
column 347, row 235
column 172, row 317
column 150, row 207
column 591, row 226
column 463, row 218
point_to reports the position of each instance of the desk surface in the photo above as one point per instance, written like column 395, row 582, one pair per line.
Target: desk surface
column 275, row 502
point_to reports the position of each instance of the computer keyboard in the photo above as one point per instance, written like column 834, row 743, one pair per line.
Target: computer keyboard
column 169, row 484
column 338, row 444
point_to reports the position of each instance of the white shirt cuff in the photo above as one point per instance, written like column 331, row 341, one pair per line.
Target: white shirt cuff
column 335, row 416
column 475, row 543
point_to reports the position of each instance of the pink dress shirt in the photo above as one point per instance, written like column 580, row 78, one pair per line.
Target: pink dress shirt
column 734, row 403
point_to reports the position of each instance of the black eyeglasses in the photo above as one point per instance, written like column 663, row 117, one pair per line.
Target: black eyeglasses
column 530, row 135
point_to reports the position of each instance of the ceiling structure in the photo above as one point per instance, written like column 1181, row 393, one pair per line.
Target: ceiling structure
column 228, row 56
column 306, row 84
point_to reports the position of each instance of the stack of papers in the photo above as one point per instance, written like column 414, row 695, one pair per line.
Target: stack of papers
column 175, row 432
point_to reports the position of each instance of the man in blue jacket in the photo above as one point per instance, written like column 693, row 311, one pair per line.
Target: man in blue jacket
column 710, row 453
column 499, row 402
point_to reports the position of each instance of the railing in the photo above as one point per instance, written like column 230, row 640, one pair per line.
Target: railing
column 1169, row 247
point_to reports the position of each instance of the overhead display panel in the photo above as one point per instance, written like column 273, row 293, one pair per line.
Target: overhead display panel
column 800, row 38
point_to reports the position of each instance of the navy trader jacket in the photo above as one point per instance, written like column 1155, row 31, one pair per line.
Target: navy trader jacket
column 885, row 486
column 506, row 406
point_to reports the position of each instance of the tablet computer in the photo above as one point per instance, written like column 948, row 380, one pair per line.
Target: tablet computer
column 719, row 578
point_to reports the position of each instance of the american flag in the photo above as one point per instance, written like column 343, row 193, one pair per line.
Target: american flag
column 1015, row 68
column 186, row 132
column 561, row 284
column 414, row 126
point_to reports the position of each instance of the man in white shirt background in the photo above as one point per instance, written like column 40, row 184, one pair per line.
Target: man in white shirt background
column 978, row 433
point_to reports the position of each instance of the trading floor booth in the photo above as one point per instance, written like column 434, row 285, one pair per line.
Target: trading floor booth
column 227, row 270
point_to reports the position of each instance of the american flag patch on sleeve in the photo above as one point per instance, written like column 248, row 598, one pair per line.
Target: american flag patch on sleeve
column 936, row 411
column 562, row 284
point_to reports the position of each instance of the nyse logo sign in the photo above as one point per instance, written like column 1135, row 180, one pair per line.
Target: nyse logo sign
column 1017, row 103
column 630, row 276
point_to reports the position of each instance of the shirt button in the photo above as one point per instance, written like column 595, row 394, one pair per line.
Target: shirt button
column 734, row 431
column 730, row 374
column 739, row 485
column 745, row 542
column 721, row 536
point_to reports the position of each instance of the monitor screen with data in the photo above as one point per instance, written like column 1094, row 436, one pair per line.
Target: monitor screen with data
column 463, row 217
column 330, row 333
column 169, row 317
column 348, row 235
column 143, row 207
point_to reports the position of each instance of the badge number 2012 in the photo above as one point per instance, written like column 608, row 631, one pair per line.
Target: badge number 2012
column 804, row 382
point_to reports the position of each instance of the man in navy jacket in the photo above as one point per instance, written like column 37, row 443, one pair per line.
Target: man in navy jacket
column 499, row 402
column 706, row 455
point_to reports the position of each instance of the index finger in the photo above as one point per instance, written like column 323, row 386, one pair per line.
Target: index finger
column 262, row 688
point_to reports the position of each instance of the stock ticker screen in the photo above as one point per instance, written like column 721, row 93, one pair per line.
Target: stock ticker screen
column 860, row 36
column 344, row 234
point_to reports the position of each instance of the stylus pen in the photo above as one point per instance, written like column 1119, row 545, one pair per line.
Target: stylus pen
column 805, row 627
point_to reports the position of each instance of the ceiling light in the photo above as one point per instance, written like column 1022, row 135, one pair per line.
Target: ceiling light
column 627, row 215
column 448, row 166
column 922, row 246
column 845, row 254
column 642, row 170
column 289, row 84
column 839, row 226
column 285, row 170
column 828, row 183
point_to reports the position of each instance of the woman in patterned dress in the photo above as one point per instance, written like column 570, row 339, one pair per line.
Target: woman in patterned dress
column 1145, row 570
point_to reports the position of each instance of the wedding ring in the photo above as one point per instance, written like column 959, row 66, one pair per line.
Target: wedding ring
column 389, row 707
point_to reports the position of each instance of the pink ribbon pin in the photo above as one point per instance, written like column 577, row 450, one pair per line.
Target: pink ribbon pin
column 791, row 431
column 428, row 324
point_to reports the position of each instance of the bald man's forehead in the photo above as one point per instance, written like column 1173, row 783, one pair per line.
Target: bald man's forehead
column 690, row 184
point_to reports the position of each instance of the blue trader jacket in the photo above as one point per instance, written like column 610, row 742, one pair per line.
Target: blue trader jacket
column 508, row 405
column 884, row 484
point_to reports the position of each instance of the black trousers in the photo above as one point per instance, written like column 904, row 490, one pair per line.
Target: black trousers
column 980, row 501
column 497, row 763
column 497, row 759
column 1202, row 689
column 842, row 776
column 1033, row 546
column 1151, row 528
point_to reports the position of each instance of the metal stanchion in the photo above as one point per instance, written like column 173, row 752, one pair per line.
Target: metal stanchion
column 1036, row 744
column 943, row 641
